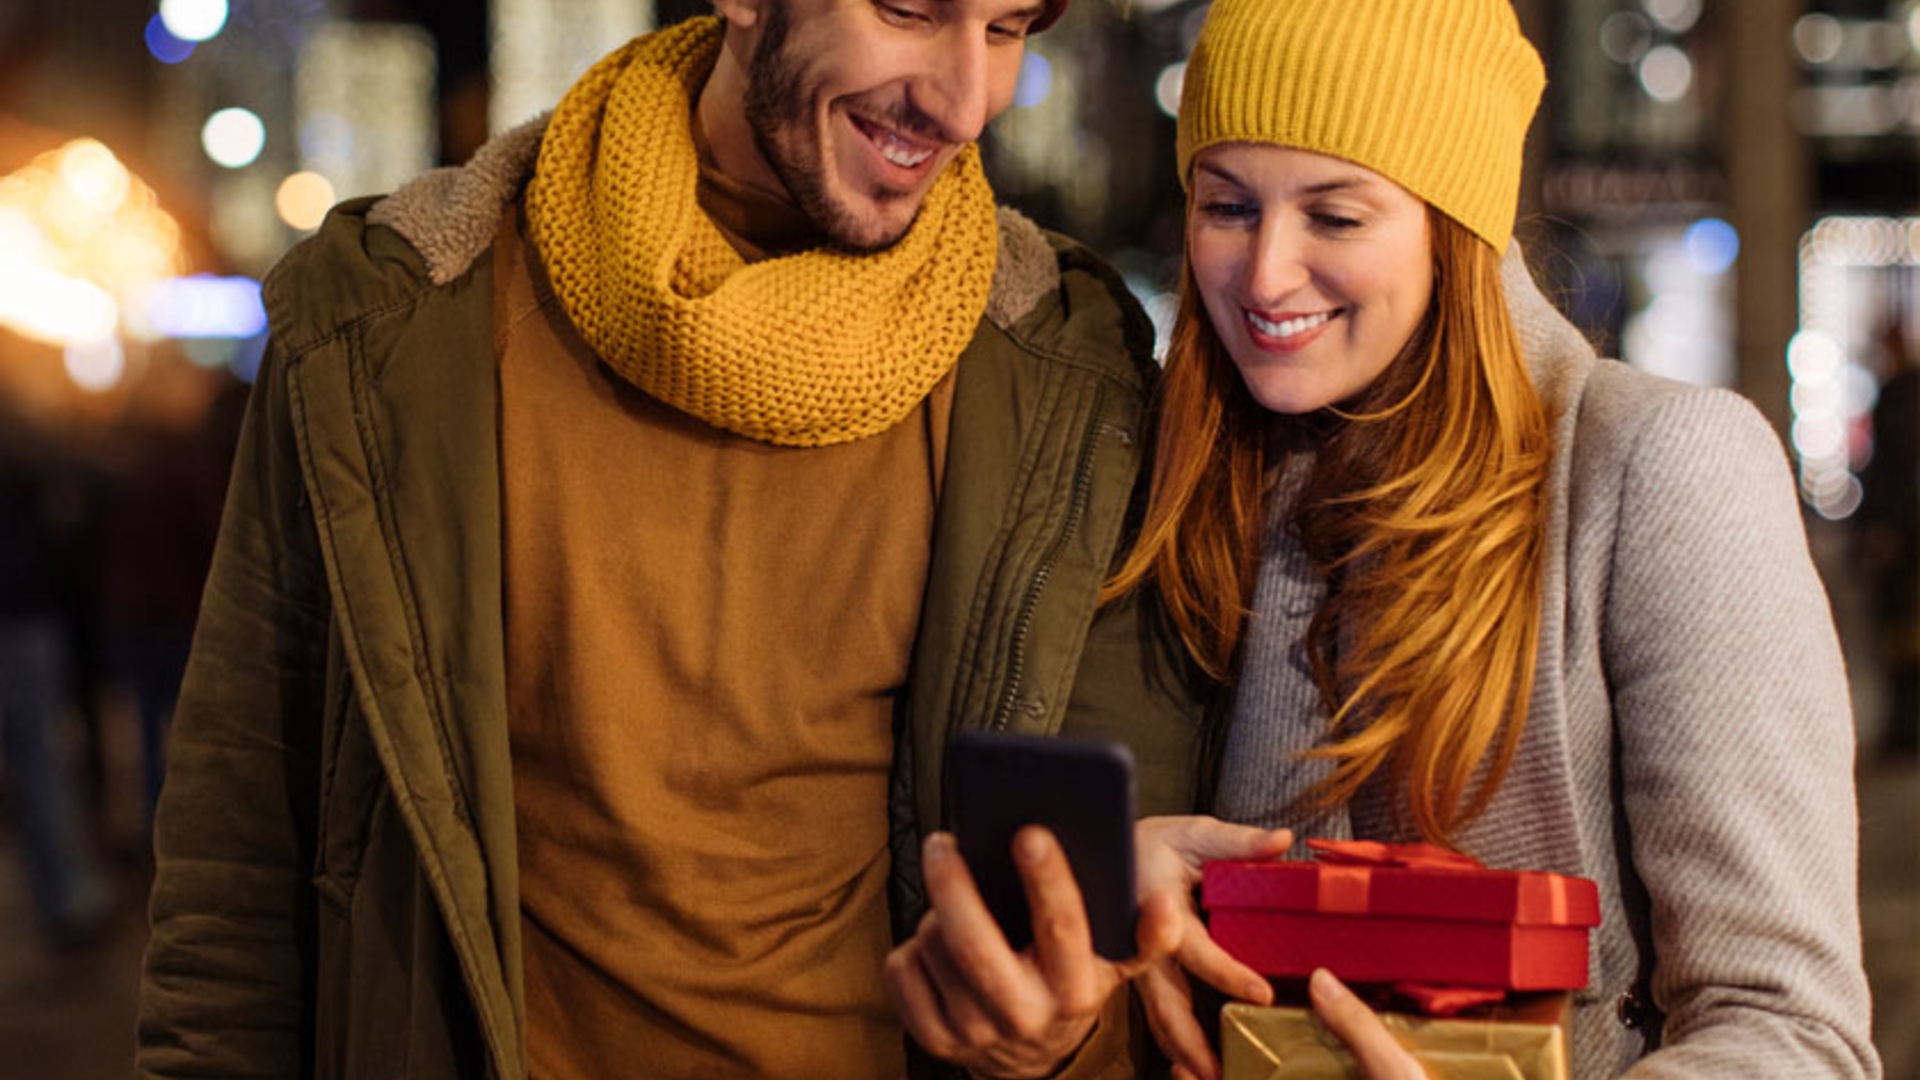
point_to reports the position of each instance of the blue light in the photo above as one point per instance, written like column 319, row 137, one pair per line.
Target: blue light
column 163, row 45
column 205, row 306
column 1036, row 81
column 1712, row 246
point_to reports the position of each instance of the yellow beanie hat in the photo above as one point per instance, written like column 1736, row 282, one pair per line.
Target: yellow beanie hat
column 1435, row 95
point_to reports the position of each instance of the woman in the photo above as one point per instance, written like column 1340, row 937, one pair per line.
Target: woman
column 1504, row 596
column 1458, row 580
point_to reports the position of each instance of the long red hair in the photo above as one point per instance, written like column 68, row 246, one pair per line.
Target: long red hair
column 1424, row 513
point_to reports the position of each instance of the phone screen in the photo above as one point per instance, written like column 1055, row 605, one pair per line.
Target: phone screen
column 1081, row 790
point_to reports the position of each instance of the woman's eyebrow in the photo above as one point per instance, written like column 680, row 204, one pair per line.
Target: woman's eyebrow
column 1338, row 184
column 1354, row 181
column 1221, row 173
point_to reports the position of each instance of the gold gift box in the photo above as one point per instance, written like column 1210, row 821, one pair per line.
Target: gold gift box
column 1522, row 1039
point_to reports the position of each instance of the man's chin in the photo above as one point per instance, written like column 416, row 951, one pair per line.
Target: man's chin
column 872, row 228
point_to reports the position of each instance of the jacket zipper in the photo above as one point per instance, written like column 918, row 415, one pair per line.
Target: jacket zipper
column 1076, row 509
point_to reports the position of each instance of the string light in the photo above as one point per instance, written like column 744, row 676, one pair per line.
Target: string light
column 1831, row 394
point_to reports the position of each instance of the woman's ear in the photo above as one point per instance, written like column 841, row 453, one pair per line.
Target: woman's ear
column 740, row 13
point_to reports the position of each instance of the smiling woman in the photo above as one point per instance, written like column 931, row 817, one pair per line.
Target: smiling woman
column 1290, row 248
column 1462, row 581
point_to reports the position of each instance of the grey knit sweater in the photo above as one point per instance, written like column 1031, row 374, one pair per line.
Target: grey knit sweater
column 1690, row 742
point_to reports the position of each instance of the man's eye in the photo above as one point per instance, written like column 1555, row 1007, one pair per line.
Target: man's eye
column 898, row 15
column 1015, row 32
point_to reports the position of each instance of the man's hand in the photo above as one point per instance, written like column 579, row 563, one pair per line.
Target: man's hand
column 1171, row 852
column 968, row 997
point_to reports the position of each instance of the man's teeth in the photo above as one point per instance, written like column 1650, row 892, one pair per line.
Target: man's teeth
column 895, row 150
column 1288, row 327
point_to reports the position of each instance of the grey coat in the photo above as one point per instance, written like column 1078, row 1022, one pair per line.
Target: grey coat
column 1690, row 741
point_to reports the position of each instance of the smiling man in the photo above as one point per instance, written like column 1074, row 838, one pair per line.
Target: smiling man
column 623, row 522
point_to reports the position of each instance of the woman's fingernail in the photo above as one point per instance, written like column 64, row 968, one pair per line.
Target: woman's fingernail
column 1258, row 991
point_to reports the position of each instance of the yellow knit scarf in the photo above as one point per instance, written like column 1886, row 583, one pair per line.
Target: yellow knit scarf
column 810, row 349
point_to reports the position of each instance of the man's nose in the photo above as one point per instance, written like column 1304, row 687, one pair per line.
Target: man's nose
column 956, row 92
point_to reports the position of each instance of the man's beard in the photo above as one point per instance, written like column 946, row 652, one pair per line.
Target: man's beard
column 777, row 103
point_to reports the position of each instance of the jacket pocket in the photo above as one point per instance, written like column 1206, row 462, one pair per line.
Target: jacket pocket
column 389, row 1001
column 351, row 783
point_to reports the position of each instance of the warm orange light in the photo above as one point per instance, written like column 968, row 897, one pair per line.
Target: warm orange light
column 79, row 234
column 304, row 199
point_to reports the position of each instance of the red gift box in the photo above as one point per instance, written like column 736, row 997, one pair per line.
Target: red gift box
column 1408, row 913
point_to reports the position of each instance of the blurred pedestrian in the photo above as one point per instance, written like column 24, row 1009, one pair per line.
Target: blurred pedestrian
column 70, row 896
column 155, row 526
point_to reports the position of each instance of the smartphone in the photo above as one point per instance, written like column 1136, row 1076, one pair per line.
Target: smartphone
column 1081, row 790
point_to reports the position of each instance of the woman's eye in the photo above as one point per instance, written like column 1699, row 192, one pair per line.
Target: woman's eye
column 1226, row 210
column 1335, row 222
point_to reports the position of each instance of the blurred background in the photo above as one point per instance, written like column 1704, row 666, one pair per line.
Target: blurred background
column 1722, row 191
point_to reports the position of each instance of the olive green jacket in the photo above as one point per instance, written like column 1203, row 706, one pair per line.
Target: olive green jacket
column 336, row 891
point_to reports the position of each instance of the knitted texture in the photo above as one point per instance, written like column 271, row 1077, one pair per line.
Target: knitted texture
column 811, row 349
column 1435, row 95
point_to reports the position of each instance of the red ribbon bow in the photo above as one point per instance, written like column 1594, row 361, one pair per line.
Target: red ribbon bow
column 1375, row 853
column 1345, row 892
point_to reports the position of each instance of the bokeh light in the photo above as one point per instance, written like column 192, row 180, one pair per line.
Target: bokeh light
column 1036, row 81
column 1666, row 73
column 95, row 177
column 1832, row 392
column 194, row 20
column 1712, row 246
column 206, row 306
column 1814, row 357
column 1674, row 16
column 46, row 305
column 97, row 365
column 79, row 234
column 1625, row 37
column 234, row 137
column 1818, row 38
column 303, row 200
column 162, row 43
column 1166, row 89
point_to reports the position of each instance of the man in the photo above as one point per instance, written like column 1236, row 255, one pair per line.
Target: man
column 621, row 525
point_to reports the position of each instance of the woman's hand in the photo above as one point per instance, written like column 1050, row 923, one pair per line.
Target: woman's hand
column 968, row 997
column 1170, row 854
column 1379, row 1055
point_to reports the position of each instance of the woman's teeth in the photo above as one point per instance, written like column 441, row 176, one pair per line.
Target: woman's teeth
column 1286, row 328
